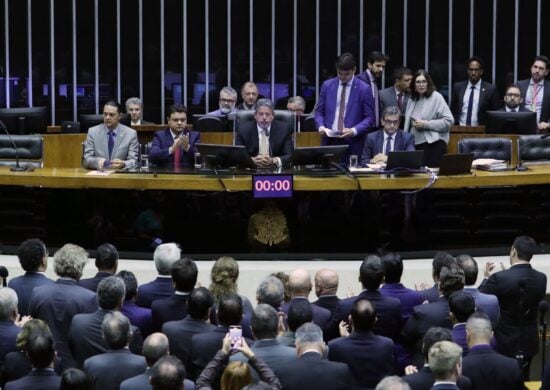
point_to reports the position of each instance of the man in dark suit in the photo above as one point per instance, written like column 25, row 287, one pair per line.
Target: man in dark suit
column 8, row 315
column 299, row 285
column 174, row 147
column 398, row 94
column 519, row 290
column 267, row 141
column 326, row 287
column 536, row 91
column 106, row 261
column 486, row 303
column 434, row 313
column 184, row 275
column 134, row 110
column 162, row 287
column 109, row 369
column 310, row 370
column 205, row 345
column 33, row 257
column 85, row 334
column 345, row 110
column 59, row 302
column 513, row 100
column 138, row 316
column 461, row 307
column 180, row 332
column 388, row 310
column 441, row 259
column 423, row 378
column 41, row 353
column 299, row 312
column 386, row 140
column 155, row 348
column 249, row 94
column 487, row 369
column 472, row 98
column 445, row 360
column 368, row 356
column 376, row 64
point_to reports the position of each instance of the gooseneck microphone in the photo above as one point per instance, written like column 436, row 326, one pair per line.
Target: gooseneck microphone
column 17, row 167
column 520, row 167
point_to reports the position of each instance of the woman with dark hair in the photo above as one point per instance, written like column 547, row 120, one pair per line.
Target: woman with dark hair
column 428, row 118
column 223, row 276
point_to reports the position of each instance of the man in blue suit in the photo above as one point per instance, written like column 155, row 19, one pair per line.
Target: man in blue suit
column 174, row 146
column 33, row 257
column 344, row 113
column 388, row 139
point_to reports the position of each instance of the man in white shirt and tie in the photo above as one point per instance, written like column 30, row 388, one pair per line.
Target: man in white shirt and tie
column 398, row 93
column 268, row 141
column 536, row 92
column 376, row 64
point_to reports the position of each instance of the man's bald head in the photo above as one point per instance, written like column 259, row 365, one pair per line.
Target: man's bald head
column 299, row 283
column 154, row 347
column 326, row 282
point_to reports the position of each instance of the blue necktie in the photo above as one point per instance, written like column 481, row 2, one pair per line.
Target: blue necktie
column 388, row 145
column 470, row 107
column 111, row 144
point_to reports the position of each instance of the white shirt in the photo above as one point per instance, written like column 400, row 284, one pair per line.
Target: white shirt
column 466, row 100
column 530, row 97
column 338, row 95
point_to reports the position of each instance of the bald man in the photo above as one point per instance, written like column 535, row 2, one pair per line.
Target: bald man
column 299, row 284
column 326, row 287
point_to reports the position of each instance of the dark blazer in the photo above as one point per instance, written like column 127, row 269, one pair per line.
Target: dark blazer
column 23, row 286
column 109, row 369
column 388, row 314
column 138, row 316
column 486, row 303
column 159, row 288
column 489, row 370
column 141, row 382
column 408, row 298
column 57, row 304
column 369, row 357
column 204, row 347
column 424, row 379
column 488, row 100
column 505, row 285
column 359, row 113
column 375, row 144
column 445, row 386
column 387, row 97
column 179, row 335
column 280, row 139
column 545, row 109
column 321, row 316
column 8, row 335
column 159, row 154
column 329, row 302
column 423, row 318
column 459, row 337
column 91, row 283
column 86, row 337
column 430, row 294
column 43, row 379
column 169, row 309
column 311, row 372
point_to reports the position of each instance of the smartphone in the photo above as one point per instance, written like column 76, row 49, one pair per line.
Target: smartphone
column 107, row 164
column 236, row 335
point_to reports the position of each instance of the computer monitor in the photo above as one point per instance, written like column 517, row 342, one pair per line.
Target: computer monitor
column 502, row 122
column 90, row 120
column 225, row 156
column 25, row 120
column 318, row 155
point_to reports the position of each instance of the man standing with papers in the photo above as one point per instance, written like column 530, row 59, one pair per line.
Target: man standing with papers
column 344, row 113
column 388, row 139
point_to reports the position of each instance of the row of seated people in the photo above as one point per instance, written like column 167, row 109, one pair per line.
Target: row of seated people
column 386, row 329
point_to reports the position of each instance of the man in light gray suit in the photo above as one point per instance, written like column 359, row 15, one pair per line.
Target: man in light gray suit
column 111, row 144
column 398, row 94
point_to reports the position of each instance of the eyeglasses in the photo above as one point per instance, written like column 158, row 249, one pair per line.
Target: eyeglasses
column 421, row 82
column 227, row 101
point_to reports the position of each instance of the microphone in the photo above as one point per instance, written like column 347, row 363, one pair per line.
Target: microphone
column 543, row 308
column 519, row 166
column 17, row 167
column 4, row 275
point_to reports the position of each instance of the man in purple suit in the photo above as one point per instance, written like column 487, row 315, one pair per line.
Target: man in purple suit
column 174, row 146
column 344, row 113
column 138, row 316
column 388, row 139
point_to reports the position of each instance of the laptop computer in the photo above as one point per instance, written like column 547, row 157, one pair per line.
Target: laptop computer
column 405, row 161
column 456, row 164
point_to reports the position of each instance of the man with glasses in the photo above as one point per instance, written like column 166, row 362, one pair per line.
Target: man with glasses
column 111, row 145
column 513, row 100
column 227, row 102
column 472, row 98
column 174, row 146
column 536, row 92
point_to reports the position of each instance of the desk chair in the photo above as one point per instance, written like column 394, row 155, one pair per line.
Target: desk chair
column 533, row 148
column 30, row 150
column 209, row 123
column 497, row 148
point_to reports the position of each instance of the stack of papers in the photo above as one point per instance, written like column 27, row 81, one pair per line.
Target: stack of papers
column 490, row 164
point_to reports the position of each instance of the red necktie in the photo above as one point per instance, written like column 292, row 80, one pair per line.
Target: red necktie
column 177, row 157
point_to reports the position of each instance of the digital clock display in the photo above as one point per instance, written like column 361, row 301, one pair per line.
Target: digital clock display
column 272, row 186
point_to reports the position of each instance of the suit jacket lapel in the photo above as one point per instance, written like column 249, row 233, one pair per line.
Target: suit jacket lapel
column 482, row 94
column 351, row 97
column 118, row 140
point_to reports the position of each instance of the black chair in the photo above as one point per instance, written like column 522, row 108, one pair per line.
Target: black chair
column 30, row 150
column 496, row 148
column 209, row 124
column 533, row 148
column 244, row 116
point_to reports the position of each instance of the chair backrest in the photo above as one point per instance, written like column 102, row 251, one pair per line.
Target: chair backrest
column 533, row 147
column 68, row 127
column 209, row 123
column 497, row 148
column 244, row 116
column 30, row 150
